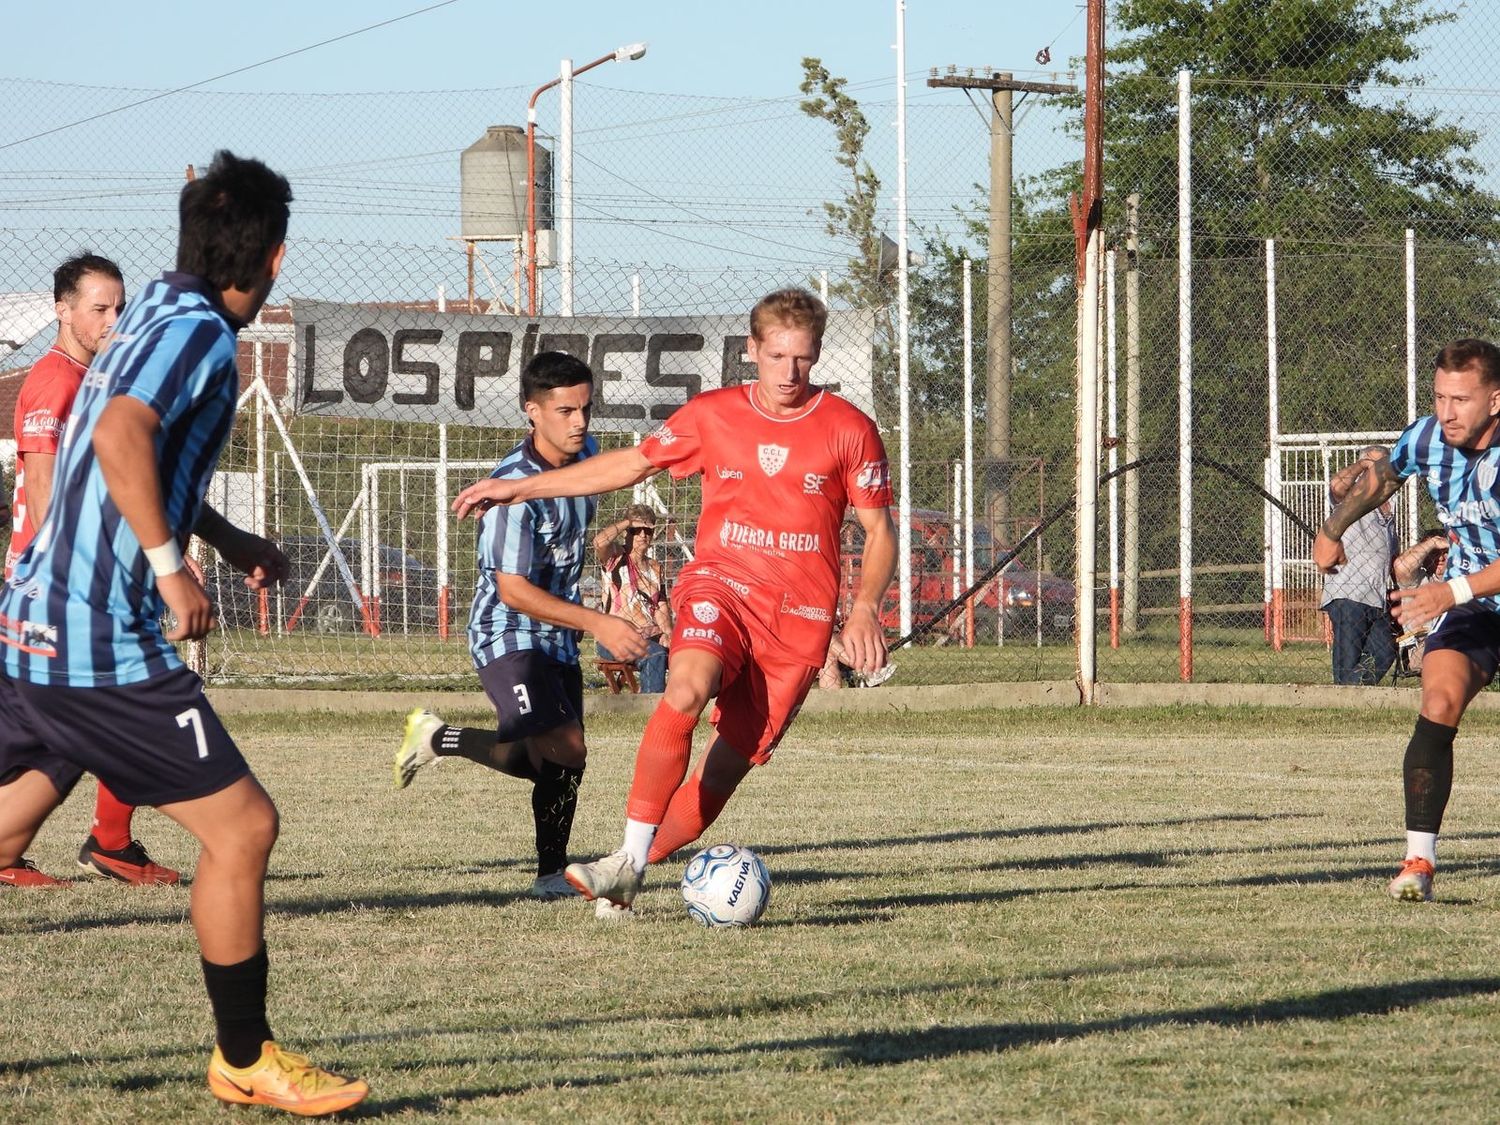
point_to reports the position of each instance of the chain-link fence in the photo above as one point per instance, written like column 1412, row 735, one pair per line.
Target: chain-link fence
column 1342, row 216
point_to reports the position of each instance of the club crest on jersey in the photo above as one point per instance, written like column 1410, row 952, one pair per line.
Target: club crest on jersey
column 1485, row 474
column 706, row 612
column 772, row 458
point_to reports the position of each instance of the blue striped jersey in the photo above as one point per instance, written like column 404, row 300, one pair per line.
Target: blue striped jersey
column 1464, row 489
column 81, row 607
column 543, row 542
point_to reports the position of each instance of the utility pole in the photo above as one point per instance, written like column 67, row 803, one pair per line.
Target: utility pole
column 1002, row 86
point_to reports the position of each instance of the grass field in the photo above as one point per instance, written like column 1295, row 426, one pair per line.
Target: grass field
column 1064, row 916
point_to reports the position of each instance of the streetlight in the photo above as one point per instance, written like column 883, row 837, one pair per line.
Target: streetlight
column 565, row 158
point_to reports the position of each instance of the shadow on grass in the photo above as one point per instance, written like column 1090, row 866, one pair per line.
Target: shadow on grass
column 309, row 907
column 881, row 1048
column 860, row 1048
column 1028, row 831
column 1168, row 857
column 473, row 866
column 879, row 908
column 436, row 1101
column 884, row 1048
column 846, row 912
column 761, row 1005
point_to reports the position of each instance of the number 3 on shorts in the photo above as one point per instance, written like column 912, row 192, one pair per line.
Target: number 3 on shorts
column 191, row 718
column 523, row 698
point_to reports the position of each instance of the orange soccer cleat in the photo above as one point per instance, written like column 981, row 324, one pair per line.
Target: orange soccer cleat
column 284, row 1080
column 1413, row 883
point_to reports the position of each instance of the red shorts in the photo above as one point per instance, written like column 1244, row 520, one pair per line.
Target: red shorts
column 759, row 693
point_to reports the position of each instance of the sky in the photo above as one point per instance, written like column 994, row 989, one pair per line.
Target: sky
column 695, row 157
column 694, row 48
column 693, row 164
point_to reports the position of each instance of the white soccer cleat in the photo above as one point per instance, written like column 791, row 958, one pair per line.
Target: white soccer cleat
column 548, row 888
column 607, row 911
column 1413, row 883
column 611, row 877
column 416, row 747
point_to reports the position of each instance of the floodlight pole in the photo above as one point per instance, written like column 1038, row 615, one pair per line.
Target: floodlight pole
column 565, row 159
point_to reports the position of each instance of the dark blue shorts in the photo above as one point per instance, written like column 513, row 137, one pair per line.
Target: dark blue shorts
column 22, row 750
column 1472, row 630
column 532, row 693
column 153, row 743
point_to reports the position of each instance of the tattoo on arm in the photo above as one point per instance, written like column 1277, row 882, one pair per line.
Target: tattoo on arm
column 1372, row 488
column 1341, row 481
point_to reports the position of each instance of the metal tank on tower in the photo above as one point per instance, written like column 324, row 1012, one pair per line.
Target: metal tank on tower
column 493, row 199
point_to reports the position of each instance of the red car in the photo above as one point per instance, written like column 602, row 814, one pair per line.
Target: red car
column 1029, row 598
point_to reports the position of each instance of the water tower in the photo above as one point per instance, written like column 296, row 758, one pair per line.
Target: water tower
column 492, row 194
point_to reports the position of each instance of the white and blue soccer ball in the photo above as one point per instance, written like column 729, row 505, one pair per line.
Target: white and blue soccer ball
column 726, row 885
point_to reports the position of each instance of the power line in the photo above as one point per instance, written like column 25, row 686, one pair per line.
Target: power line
column 226, row 74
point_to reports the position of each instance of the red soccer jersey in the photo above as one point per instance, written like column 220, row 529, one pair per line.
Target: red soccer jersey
column 42, row 411
column 775, row 490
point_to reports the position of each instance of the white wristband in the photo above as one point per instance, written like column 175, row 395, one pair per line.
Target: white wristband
column 165, row 559
column 1462, row 593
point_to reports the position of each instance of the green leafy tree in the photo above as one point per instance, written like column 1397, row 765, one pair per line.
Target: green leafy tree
column 1296, row 138
column 851, row 220
column 1304, row 130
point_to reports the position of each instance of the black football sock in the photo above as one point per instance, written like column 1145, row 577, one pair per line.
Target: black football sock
column 1427, row 772
column 554, row 800
column 480, row 746
column 238, row 996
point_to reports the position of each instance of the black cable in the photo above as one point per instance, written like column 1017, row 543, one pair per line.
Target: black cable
column 928, row 626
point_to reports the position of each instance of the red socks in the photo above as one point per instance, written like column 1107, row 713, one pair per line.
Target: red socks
column 111, row 821
column 691, row 811
column 660, row 763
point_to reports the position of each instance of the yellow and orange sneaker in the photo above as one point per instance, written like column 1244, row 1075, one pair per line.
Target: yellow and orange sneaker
column 284, row 1080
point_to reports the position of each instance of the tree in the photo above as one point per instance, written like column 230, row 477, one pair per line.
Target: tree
column 1302, row 132
column 851, row 220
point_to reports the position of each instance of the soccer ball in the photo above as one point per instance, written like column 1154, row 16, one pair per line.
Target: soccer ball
column 726, row 885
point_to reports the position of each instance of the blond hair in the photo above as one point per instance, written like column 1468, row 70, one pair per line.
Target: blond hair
column 789, row 308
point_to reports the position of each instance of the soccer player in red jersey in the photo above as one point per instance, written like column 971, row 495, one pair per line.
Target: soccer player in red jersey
column 781, row 461
column 90, row 294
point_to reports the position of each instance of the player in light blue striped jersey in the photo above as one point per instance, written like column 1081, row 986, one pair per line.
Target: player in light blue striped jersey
column 1456, row 452
column 525, row 621
column 90, row 681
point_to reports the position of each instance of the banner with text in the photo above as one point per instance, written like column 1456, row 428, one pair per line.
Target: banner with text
column 358, row 361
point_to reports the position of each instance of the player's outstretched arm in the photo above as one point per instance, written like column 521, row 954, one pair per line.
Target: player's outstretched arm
column 618, row 635
column 863, row 639
column 1376, row 483
column 258, row 559
column 605, row 472
column 125, row 445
